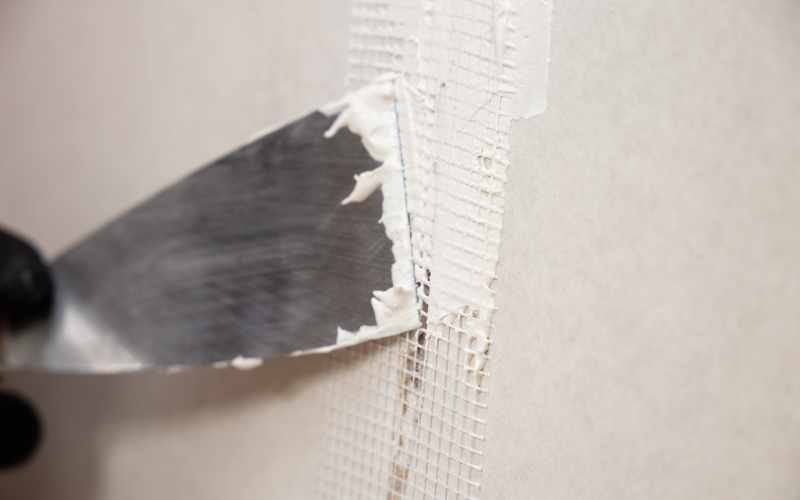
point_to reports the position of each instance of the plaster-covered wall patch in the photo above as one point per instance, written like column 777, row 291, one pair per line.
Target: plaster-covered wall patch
column 468, row 67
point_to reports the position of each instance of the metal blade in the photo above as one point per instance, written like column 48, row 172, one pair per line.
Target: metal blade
column 251, row 256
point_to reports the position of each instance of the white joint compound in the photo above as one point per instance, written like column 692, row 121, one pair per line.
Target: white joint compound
column 405, row 415
column 370, row 112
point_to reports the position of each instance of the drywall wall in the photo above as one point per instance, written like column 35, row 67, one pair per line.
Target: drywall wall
column 647, row 342
column 198, row 434
column 105, row 102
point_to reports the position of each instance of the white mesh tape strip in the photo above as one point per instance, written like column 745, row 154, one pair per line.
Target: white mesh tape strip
column 405, row 415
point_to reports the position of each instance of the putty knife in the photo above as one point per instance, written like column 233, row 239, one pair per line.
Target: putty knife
column 253, row 256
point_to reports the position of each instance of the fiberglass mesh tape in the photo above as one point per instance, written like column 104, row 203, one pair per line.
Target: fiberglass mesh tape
column 405, row 415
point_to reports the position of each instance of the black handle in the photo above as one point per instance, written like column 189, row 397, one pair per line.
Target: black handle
column 26, row 288
column 20, row 430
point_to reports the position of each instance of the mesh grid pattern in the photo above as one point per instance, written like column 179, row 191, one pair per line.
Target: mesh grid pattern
column 377, row 34
column 405, row 415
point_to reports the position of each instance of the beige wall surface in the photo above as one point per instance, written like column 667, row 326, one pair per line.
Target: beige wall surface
column 647, row 342
column 103, row 103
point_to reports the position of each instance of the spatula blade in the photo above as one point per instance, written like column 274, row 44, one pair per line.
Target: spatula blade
column 252, row 256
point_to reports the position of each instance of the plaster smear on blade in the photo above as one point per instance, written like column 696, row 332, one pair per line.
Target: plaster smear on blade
column 370, row 112
column 243, row 363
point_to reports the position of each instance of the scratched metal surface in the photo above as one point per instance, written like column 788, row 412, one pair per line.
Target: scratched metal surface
column 251, row 256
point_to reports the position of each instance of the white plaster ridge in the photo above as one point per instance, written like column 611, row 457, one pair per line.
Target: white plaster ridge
column 371, row 113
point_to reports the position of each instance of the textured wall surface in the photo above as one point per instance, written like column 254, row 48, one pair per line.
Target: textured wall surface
column 101, row 104
column 647, row 342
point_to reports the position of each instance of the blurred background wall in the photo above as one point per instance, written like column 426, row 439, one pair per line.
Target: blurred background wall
column 103, row 102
